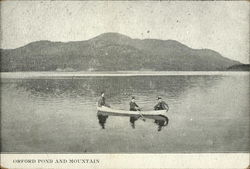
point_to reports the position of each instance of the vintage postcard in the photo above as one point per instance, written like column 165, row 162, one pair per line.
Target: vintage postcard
column 125, row 84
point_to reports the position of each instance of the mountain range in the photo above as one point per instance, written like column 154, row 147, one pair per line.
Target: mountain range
column 112, row 52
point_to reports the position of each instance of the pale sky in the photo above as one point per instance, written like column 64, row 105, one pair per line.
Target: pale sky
column 221, row 26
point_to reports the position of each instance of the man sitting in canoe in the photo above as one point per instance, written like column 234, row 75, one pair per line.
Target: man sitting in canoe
column 161, row 105
column 133, row 105
column 102, row 102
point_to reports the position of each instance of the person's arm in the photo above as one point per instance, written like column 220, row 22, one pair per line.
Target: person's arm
column 130, row 105
column 137, row 107
column 99, row 103
column 165, row 105
column 156, row 106
column 106, row 104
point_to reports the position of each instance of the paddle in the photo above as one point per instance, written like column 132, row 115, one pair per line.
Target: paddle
column 138, row 110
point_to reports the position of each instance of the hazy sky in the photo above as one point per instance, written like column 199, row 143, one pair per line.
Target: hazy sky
column 221, row 26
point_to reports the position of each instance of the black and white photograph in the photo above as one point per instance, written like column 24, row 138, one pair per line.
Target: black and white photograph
column 124, row 77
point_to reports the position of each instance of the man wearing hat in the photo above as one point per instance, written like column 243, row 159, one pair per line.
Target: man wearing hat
column 161, row 105
column 133, row 105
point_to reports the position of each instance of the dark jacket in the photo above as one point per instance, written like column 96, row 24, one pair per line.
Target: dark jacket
column 161, row 106
column 101, row 102
column 133, row 106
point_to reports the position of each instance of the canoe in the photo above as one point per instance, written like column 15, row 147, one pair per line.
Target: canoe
column 152, row 112
column 153, row 117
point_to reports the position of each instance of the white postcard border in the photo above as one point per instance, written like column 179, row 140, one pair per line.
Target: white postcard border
column 177, row 161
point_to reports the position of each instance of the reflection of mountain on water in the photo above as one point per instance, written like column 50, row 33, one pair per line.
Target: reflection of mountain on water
column 117, row 88
column 160, row 120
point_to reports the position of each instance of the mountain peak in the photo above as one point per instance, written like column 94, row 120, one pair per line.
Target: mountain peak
column 111, row 52
column 111, row 36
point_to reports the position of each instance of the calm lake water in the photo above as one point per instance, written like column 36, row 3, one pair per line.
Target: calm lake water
column 207, row 114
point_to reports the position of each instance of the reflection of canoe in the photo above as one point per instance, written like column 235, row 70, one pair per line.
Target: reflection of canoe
column 125, row 112
column 160, row 120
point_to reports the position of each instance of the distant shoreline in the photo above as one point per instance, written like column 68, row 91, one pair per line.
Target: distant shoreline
column 37, row 75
